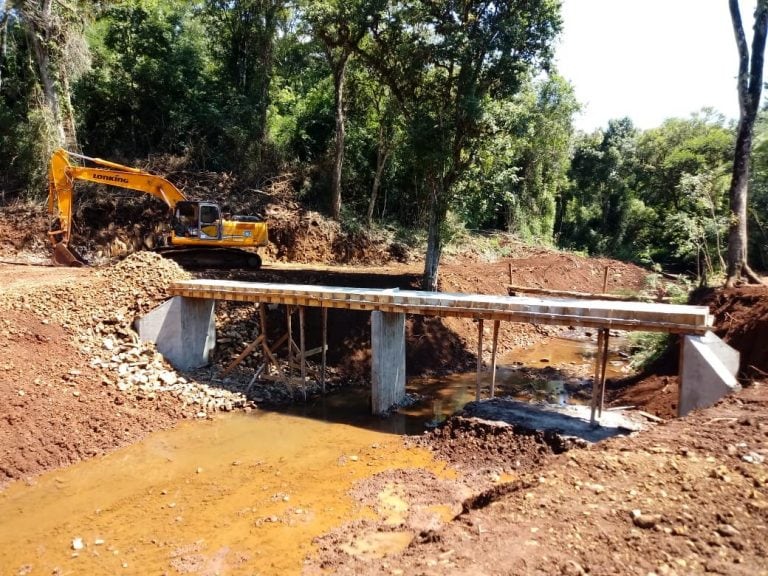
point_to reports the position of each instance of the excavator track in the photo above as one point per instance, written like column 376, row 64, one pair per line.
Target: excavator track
column 221, row 258
column 191, row 258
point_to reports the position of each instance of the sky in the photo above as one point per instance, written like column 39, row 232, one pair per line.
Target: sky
column 650, row 59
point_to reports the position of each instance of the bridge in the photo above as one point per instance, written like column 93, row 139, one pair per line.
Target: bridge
column 184, row 329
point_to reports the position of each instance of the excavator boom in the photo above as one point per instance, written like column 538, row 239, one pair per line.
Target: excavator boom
column 62, row 176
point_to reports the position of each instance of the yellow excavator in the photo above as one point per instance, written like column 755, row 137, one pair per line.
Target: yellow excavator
column 198, row 235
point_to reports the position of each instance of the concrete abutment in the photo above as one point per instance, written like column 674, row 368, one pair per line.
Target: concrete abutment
column 707, row 372
column 183, row 330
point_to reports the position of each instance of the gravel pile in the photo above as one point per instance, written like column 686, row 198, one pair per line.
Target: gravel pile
column 100, row 316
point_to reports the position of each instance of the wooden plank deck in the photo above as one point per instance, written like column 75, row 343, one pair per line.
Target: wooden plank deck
column 557, row 311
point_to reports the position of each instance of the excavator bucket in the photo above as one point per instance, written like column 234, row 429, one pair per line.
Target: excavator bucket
column 62, row 256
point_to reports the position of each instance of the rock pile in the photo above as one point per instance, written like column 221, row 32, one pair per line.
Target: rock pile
column 100, row 315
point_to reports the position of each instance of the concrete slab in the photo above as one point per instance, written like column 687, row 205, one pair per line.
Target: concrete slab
column 708, row 372
column 568, row 311
column 387, row 360
column 183, row 329
column 569, row 421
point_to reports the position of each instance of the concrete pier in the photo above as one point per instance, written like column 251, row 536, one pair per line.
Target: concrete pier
column 387, row 360
column 183, row 329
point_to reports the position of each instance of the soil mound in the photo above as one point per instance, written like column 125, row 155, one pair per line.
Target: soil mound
column 741, row 319
column 74, row 380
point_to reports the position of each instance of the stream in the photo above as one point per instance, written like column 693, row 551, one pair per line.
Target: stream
column 248, row 493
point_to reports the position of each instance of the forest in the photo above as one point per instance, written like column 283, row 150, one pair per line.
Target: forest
column 430, row 117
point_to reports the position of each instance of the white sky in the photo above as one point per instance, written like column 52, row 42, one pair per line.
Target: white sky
column 650, row 59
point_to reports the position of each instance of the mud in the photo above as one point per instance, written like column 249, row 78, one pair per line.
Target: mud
column 238, row 495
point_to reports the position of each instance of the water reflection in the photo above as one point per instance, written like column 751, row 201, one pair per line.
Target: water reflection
column 559, row 371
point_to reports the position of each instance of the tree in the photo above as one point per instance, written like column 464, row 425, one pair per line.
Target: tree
column 147, row 90
column 522, row 161
column 243, row 33
column 42, row 53
column 682, row 172
column 758, row 197
column 339, row 25
column 60, row 54
column 386, row 138
column 444, row 62
column 594, row 212
column 750, row 84
column 4, row 17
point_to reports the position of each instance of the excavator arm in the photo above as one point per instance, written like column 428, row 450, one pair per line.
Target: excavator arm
column 62, row 176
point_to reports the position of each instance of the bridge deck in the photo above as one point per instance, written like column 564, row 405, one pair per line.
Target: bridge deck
column 557, row 311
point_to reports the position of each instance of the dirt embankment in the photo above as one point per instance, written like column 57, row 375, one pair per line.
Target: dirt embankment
column 687, row 497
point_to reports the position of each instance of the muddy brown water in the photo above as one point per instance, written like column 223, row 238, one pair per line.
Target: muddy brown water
column 557, row 371
column 242, row 494
column 245, row 493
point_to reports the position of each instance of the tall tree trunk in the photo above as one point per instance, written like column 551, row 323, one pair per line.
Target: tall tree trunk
column 37, row 24
column 750, row 84
column 382, row 153
column 3, row 38
column 263, row 72
column 339, row 76
column 438, row 210
column 41, row 33
column 68, row 120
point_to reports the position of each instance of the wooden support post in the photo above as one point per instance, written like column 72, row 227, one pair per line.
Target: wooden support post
column 598, row 386
column 268, row 356
column 248, row 349
column 275, row 346
column 510, row 272
column 680, row 370
column 302, row 352
column 324, row 314
column 606, row 338
column 493, row 356
column 479, row 357
column 263, row 327
column 605, row 280
column 290, row 347
column 596, row 381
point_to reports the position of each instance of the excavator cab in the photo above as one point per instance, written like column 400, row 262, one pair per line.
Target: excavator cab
column 197, row 220
column 210, row 221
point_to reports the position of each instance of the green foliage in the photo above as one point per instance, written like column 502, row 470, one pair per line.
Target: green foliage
column 595, row 207
column 521, row 166
column 146, row 92
column 454, row 120
column 16, row 136
column 647, row 347
column 758, row 198
column 29, row 122
column 443, row 61
column 657, row 196
column 242, row 45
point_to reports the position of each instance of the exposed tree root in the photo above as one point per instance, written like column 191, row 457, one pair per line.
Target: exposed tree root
column 744, row 272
